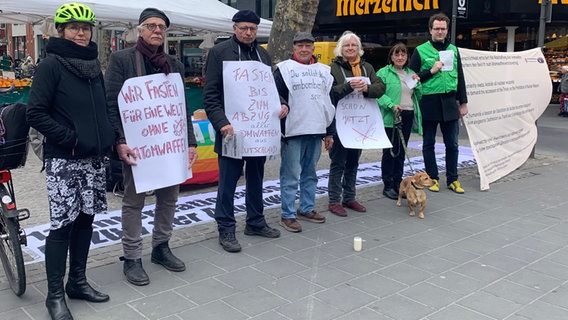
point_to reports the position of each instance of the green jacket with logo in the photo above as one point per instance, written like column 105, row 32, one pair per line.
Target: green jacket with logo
column 442, row 81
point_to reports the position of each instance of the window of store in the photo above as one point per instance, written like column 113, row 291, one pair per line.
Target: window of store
column 192, row 57
column 232, row 3
column 41, row 43
column 19, row 47
column 265, row 8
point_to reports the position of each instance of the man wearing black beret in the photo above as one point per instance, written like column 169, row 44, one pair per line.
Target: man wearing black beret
column 147, row 57
column 240, row 47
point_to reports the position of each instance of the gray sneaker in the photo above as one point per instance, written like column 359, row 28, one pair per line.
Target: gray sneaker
column 229, row 242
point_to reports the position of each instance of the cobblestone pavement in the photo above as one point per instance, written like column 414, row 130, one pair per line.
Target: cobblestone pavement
column 500, row 254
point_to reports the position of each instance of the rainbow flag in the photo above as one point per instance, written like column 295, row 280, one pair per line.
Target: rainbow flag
column 206, row 168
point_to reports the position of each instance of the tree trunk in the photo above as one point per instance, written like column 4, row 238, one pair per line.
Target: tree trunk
column 104, row 48
column 290, row 16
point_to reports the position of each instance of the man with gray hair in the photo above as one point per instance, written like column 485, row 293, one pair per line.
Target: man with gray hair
column 242, row 46
column 145, row 58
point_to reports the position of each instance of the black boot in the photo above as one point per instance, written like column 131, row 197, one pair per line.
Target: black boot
column 161, row 254
column 55, row 263
column 134, row 272
column 77, row 286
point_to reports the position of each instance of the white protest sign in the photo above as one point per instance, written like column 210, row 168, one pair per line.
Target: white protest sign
column 359, row 123
column 153, row 114
column 252, row 106
column 311, row 109
column 507, row 93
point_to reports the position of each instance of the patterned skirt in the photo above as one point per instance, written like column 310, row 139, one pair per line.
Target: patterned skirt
column 74, row 186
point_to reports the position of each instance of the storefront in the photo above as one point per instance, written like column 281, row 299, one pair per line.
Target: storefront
column 493, row 25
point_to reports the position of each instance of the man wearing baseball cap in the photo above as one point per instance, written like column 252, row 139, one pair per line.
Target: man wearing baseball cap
column 303, row 129
column 242, row 46
column 145, row 58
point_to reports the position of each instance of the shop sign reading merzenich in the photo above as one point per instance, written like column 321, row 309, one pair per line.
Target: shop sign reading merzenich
column 556, row 1
column 366, row 7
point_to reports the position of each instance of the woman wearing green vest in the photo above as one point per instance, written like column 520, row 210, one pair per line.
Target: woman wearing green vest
column 399, row 107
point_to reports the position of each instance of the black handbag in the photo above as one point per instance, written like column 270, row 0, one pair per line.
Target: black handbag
column 13, row 136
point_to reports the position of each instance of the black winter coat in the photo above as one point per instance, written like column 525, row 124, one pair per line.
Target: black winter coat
column 70, row 112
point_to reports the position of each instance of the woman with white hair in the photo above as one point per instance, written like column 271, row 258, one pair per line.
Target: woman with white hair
column 348, row 64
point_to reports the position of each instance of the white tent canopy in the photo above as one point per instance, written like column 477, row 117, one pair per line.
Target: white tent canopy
column 191, row 16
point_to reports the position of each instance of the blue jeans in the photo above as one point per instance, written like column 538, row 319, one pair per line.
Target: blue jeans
column 342, row 172
column 450, row 131
column 300, row 156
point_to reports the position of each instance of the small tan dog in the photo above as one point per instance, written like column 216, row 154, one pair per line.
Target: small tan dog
column 413, row 188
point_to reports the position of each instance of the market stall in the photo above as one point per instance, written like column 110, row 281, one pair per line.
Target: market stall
column 555, row 60
column 14, row 90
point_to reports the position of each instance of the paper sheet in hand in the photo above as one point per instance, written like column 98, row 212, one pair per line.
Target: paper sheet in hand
column 365, row 79
column 233, row 145
column 447, row 58
column 410, row 82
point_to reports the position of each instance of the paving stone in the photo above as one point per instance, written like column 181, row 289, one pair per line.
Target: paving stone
column 490, row 305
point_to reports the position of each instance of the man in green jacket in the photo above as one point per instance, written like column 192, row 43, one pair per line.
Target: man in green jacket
column 442, row 85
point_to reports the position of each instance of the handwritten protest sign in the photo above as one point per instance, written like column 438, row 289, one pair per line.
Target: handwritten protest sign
column 309, row 85
column 359, row 123
column 507, row 93
column 153, row 114
column 252, row 106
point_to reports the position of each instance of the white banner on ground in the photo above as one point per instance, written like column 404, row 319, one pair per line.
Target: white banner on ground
column 252, row 106
column 200, row 208
column 359, row 123
column 153, row 114
column 507, row 93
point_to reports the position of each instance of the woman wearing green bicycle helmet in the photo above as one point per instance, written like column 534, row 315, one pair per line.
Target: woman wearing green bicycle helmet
column 67, row 105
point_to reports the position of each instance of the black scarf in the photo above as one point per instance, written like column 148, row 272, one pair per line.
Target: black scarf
column 79, row 60
column 159, row 59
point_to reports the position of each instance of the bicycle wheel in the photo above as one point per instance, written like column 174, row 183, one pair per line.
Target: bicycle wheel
column 11, row 253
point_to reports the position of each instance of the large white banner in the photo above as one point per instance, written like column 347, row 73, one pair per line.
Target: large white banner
column 507, row 93
column 359, row 123
column 199, row 208
column 153, row 114
column 252, row 106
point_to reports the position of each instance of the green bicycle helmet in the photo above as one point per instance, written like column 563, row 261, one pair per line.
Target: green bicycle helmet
column 74, row 12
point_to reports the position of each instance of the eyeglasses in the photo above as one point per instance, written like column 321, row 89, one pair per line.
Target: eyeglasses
column 439, row 29
column 75, row 28
column 153, row 26
column 245, row 29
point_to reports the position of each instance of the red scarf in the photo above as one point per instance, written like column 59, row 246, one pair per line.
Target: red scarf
column 159, row 59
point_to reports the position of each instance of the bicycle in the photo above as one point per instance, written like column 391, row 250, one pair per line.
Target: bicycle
column 12, row 236
column 13, row 153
